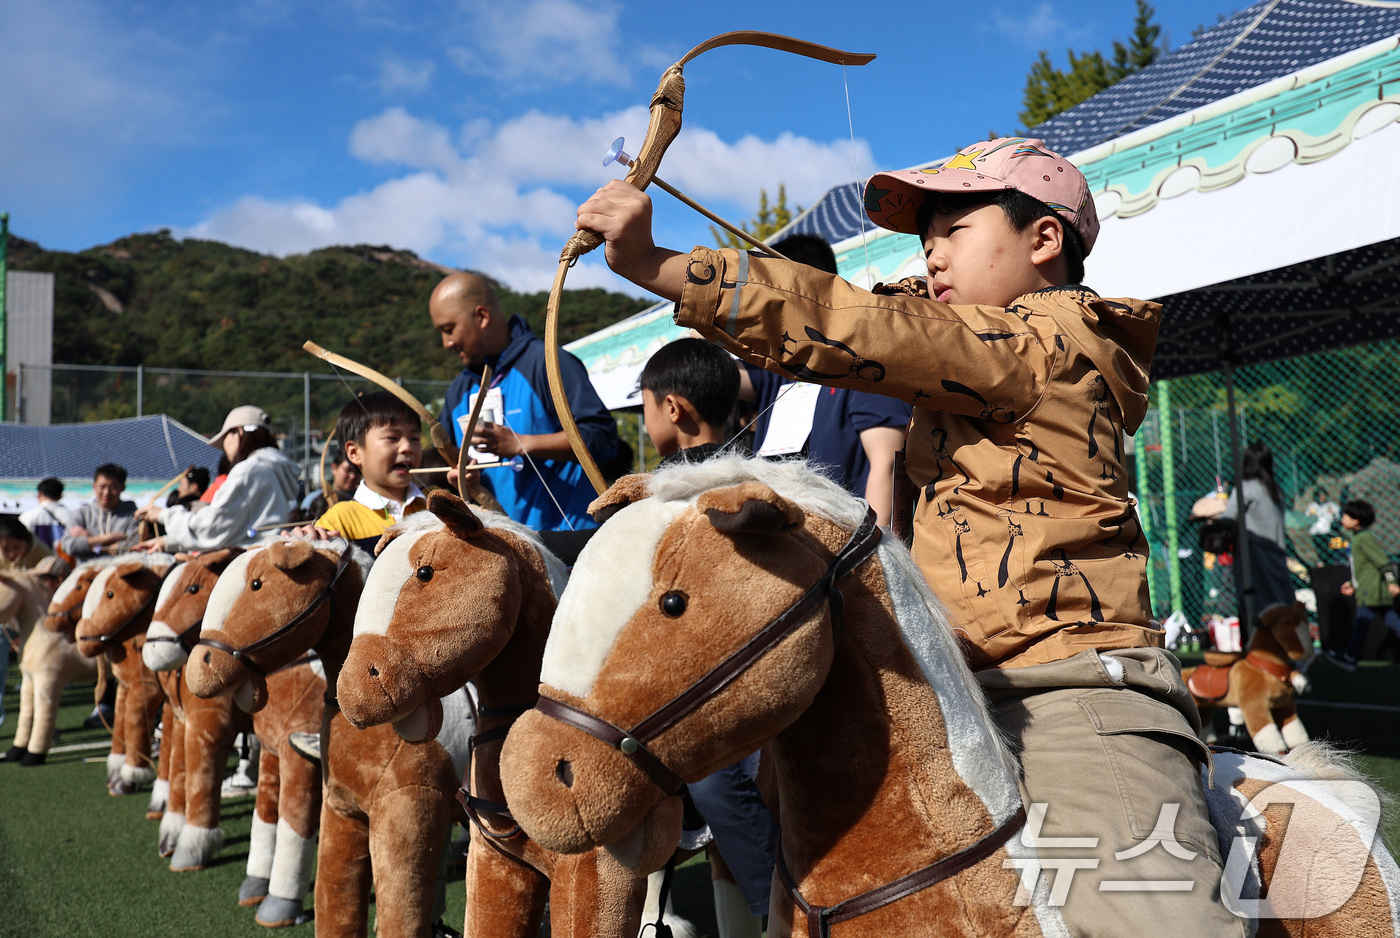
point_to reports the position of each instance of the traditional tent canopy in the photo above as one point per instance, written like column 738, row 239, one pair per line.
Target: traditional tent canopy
column 151, row 450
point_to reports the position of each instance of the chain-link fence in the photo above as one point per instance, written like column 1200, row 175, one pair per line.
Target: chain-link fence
column 303, row 406
column 1331, row 422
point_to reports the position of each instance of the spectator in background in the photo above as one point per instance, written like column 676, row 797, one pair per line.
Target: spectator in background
column 1372, row 583
column 107, row 524
column 49, row 519
column 854, row 436
column 345, row 479
column 19, row 550
column 1323, row 512
column 1263, row 522
column 188, row 491
column 262, row 488
column 220, row 474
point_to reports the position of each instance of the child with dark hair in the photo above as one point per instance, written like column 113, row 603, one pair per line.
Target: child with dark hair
column 48, row 519
column 1372, row 583
column 262, row 489
column 19, row 550
column 1023, row 382
column 382, row 437
column 688, row 389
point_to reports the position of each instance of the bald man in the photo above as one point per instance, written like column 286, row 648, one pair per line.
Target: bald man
column 518, row 418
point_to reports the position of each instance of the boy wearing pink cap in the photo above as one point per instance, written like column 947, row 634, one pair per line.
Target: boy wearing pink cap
column 1023, row 383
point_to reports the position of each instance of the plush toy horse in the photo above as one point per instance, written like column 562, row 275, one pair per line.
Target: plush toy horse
column 1262, row 682
column 871, row 789
column 387, row 802
column 199, row 733
column 286, row 812
column 459, row 595
column 116, row 613
column 48, row 662
column 701, row 620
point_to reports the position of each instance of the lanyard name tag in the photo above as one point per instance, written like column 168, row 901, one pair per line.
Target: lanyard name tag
column 790, row 420
column 492, row 411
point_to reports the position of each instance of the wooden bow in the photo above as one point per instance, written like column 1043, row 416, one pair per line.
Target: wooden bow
column 442, row 439
column 665, row 123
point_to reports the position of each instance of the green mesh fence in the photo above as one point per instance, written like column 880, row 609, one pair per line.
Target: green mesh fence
column 1330, row 420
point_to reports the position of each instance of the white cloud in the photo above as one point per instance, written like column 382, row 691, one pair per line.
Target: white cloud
column 501, row 198
column 397, row 75
column 1043, row 27
column 533, row 44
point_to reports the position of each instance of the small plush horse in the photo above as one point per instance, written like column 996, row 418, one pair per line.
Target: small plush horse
column 48, row 662
column 460, row 595
column 116, row 613
column 731, row 603
column 1261, row 682
column 200, row 733
column 386, row 802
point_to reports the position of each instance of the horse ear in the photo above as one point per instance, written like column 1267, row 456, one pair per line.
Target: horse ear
column 623, row 492
column 143, row 578
column 454, row 513
column 749, row 508
column 217, row 560
column 290, row 553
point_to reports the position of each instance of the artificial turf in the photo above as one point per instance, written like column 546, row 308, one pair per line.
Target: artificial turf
column 78, row 863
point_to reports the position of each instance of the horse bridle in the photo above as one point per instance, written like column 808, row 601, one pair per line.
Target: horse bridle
column 471, row 804
column 120, row 634
column 242, row 655
column 633, row 743
column 858, row 549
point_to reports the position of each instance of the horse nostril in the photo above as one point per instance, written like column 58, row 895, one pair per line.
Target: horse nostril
column 373, row 671
column 565, row 773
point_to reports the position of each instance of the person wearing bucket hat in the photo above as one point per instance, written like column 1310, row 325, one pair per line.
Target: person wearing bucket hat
column 1023, row 382
column 263, row 487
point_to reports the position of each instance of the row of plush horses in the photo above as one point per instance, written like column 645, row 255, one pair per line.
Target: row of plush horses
column 720, row 609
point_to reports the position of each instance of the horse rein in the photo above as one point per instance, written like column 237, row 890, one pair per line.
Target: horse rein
column 242, row 655
column 120, row 634
column 632, row 744
column 471, row 804
column 820, row 918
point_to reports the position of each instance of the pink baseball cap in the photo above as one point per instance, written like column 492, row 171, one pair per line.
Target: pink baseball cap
column 892, row 199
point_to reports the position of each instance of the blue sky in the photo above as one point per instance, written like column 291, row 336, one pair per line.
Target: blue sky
column 468, row 131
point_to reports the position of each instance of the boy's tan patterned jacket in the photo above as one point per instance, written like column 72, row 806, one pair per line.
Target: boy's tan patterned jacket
column 1024, row 527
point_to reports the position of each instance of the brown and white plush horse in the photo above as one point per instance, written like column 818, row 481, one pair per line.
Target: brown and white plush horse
column 200, row 732
column 736, row 602
column 460, row 595
column 116, row 613
column 1262, row 682
column 387, row 802
column 48, row 662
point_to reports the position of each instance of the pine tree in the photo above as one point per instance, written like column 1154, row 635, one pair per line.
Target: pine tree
column 1050, row 90
column 768, row 220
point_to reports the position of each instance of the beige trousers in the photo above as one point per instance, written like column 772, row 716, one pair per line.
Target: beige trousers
column 1125, row 839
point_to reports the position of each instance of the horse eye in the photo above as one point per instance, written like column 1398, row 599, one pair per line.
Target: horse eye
column 256, row 585
column 424, row 573
column 673, row 603
column 110, row 594
column 194, row 588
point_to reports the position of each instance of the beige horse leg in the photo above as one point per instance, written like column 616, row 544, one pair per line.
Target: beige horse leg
column 407, row 834
column 24, row 725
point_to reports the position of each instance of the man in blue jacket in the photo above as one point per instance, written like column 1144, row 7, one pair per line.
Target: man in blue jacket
column 518, row 418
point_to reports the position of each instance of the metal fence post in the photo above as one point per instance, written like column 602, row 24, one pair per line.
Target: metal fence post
column 19, row 393
column 140, row 389
column 306, row 413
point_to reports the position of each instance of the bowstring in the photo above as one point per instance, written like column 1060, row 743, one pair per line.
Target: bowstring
column 855, row 167
column 745, row 428
column 354, row 395
column 539, row 475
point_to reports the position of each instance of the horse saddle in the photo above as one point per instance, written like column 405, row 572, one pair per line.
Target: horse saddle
column 1209, row 682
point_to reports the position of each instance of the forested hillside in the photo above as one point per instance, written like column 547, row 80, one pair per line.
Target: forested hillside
column 153, row 300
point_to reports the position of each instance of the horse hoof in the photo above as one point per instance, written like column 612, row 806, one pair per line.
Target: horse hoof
column 31, row 759
column 276, row 912
column 120, row 788
column 15, row 753
column 253, row 890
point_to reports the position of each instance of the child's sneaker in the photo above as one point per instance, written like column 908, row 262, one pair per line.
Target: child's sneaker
column 238, row 785
column 1341, row 659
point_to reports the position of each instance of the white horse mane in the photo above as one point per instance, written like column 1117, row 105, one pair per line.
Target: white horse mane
column 792, row 479
column 424, row 521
